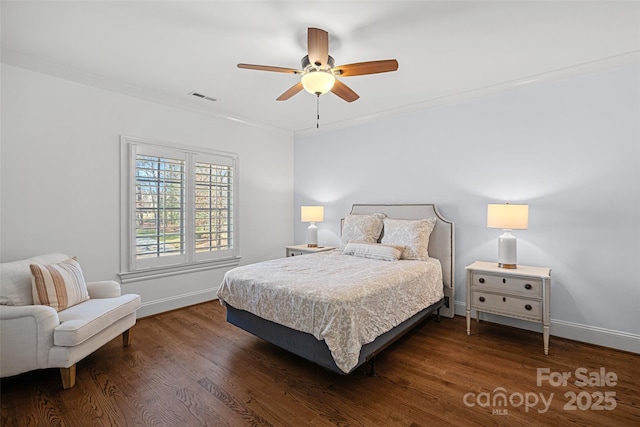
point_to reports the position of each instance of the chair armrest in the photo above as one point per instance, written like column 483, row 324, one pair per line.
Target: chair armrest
column 41, row 313
column 104, row 289
column 26, row 335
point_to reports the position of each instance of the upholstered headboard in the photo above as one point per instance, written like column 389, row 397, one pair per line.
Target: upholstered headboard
column 441, row 241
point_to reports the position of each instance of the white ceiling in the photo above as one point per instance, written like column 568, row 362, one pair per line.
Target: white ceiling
column 447, row 50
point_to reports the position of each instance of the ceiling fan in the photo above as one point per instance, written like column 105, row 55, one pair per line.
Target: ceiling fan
column 318, row 72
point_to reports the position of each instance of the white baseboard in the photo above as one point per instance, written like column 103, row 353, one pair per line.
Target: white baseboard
column 595, row 335
column 573, row 331
column 173, row 302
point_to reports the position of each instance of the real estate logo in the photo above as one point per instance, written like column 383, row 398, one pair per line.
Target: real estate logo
column 596, row 398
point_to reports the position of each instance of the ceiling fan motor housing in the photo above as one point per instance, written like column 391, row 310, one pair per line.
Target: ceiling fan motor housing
column 308, row 66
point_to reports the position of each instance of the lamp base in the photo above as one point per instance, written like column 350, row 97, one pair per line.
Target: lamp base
column 507, row 254
column 312, row 239
column 509, row 266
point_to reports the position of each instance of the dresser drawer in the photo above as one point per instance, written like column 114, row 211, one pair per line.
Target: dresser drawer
column 531, row 287
column 507, row 305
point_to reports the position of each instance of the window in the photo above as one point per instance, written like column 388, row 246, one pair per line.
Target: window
column 179, row 209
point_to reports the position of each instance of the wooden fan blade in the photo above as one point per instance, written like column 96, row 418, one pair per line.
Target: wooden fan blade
column 290, row 92
column 362, row 68
column 344, row 91
column 268, row 68
column 318, row 46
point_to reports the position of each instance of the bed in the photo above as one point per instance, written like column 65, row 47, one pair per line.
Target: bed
column 340, row 308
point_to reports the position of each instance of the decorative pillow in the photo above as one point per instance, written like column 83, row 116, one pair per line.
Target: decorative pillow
column 361, row 228
column 58, row 285
column 412, row 234
column 373, row 251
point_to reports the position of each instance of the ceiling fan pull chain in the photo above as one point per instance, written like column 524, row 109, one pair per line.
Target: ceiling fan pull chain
column 317, row 111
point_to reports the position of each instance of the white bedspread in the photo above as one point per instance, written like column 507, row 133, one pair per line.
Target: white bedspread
column 347, row 301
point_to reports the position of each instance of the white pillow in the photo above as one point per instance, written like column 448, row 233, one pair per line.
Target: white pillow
column 361, row 228
column 373, row 251
column 58, row 285
column 412, row 234
column 15, row 278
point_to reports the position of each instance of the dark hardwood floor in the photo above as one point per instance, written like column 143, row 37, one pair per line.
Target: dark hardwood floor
column 190, row 368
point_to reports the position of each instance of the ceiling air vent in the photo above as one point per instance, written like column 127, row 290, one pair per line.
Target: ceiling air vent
column 199, row 95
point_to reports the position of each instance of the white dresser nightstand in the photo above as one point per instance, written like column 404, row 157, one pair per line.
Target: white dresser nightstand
column 304, row 249
column 522, row 293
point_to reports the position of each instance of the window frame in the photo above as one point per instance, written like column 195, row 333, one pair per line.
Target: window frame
column 133, row 269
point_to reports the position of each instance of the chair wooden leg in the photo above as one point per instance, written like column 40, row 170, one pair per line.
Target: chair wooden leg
column 126, row 338
column 68, row 377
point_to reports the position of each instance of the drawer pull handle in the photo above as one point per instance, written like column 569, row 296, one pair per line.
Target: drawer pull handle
column 528, row 307
column 528, row 286
column 504, row 299
column 481, row 299
column 481, row 280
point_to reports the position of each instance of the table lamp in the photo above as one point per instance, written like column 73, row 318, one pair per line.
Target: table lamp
column 508, row 217
column 312, row 214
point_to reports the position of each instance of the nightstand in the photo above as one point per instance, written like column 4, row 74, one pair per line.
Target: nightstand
column 521, row 293
column 304, row 249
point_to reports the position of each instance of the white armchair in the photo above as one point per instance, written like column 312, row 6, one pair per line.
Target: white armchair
column 37, row 336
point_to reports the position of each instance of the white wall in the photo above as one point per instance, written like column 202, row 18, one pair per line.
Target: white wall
column 60, row 179
column 569, row 148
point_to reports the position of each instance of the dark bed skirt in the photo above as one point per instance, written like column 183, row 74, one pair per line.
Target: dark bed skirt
column 307, row 346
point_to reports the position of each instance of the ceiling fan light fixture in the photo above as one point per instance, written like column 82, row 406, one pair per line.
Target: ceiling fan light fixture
column 318, row 82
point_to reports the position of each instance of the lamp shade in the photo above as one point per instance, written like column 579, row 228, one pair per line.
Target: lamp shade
column 507, row 216
column 318, row 82
column 312, row 213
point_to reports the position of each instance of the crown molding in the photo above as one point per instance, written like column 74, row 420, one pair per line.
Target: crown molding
column 19, row 60
column 603, row 64
column 22, row 61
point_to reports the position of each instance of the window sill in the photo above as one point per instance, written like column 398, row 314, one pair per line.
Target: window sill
column 172, row 270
